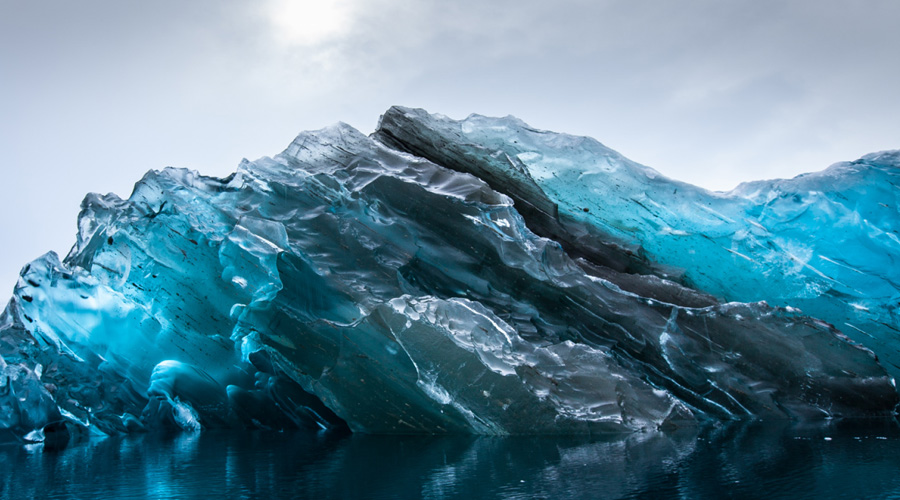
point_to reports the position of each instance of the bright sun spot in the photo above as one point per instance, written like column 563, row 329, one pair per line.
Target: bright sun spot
column 308, row 22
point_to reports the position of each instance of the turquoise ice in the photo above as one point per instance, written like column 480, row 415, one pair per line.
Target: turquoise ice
column 826, row 243
column 375, row 284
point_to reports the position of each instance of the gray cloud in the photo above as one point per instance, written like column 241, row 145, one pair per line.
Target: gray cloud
column 94, row 93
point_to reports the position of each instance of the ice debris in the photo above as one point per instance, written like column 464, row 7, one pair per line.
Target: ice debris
column 441, row 276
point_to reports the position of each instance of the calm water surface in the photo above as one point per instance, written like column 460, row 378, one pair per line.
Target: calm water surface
column 732, row 461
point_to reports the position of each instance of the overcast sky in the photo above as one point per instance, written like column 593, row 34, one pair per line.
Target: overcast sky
column 95, row 93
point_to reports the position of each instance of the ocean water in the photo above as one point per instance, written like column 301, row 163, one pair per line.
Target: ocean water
column 781, row 460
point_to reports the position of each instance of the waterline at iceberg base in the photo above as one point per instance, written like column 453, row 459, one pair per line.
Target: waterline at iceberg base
column 474, row 276
column 737, row 460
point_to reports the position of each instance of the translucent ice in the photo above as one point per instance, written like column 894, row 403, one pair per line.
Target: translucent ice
column 827, row 243
column 366, row 283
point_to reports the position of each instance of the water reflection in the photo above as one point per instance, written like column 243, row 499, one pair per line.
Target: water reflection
column 733, row 461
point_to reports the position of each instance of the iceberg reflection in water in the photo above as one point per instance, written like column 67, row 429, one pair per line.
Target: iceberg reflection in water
column 731, row 461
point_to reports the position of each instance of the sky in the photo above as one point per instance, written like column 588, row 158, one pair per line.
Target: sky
column 95, row 93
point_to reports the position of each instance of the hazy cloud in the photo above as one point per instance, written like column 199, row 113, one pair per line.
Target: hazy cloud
column 94, row 93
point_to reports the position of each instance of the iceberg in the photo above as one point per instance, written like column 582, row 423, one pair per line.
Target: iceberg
column 441, row 276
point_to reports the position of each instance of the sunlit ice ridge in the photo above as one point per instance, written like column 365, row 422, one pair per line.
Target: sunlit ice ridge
column 474, row 276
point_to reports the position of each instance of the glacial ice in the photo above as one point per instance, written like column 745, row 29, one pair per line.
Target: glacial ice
column 827, row 243
column 442, row 276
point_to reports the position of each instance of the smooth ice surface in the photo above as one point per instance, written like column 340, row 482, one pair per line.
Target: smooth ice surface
column 366, row 283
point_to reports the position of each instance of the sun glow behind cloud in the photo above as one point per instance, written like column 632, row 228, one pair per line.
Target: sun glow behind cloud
column 705, row 91
column 308, row 22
